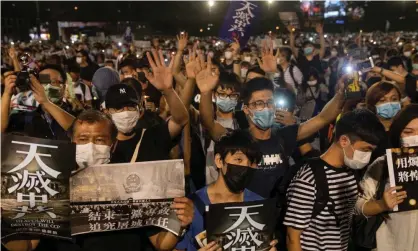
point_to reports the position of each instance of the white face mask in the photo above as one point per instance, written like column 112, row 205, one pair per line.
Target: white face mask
column 407, row 54
column 79, row 60
column 247, row 59
column 410, row 141
column 360, row 159
column 334, row 53
column 312, row 82
column 125, row 121
column 244, row 72
column 91, row 154
column 228, row 54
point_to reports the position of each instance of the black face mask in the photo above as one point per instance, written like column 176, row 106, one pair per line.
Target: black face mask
column 141, row 77
column 237, row 177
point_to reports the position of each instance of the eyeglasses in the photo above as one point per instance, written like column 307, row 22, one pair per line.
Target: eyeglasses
column 233, row 96
column 260, row 104
column 127, row 108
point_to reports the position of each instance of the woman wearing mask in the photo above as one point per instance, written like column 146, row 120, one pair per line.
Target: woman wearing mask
column 383, row 99
column 398, row 231
column 312, row 95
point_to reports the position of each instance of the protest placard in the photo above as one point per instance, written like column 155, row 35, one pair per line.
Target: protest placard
column 403, row 171
column 35, row 187
column 248, row 225
column 124, row 196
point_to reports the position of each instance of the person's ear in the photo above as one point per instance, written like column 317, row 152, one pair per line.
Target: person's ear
column 218, row 161
column 344, row 141
column 246, row 110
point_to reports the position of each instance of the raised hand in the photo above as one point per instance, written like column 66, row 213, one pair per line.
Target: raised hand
column 212, row 246
column 162, row 77
column 193, row 66
column 207, row 80
column 12, row 53
column 392, row 199
column 269, row 60
column 184, row 210
column 38, row 90
column 9, row 84
column 319, row 28
column 273, row 244
column 182, row 39
column 235, row 46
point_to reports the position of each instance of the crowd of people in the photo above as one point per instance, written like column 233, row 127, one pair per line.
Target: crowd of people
column 264, row 119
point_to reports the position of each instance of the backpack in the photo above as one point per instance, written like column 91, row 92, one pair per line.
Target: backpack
column 322, row 194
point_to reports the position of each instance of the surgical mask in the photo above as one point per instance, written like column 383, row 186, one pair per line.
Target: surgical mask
column 410, row 141
column 79, row 60
column 53, row 93
column 244, row 72
column 128, row 75
column 263, row 119
column 91, row 154
column 388, row 110
column 228, row 54
column 237, row 177
column 210, row 54
column 247, row 59
column 125, row 121
column 312, row 82
column 334, row 53
column 415, row 66
column 226, row 105
column 308, row 50
column 360, row 159
column 407, row 54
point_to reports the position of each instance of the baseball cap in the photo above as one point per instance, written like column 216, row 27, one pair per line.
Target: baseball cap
column 121, row 95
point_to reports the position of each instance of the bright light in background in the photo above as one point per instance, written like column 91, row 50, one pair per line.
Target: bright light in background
column 208, row 28
column 12, row 43
column 211, row 3
column 67, row 47
column 75, row 8
column 325, row 36
column 270, row 1
column 201, row 30
column 72, row 41
column 349, row 69
column 137, row 55
column 119, row 44
column 374, row 42
column 102, row 50
column 277, row 27
column 311, row 38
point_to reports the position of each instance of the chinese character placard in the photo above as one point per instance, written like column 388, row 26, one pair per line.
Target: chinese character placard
column 35, row 187
column 124, row 196
column 242, row 226
column 403, row 171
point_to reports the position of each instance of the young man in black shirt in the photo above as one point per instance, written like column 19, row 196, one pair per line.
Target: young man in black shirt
column 276, row 144
column 123, row 105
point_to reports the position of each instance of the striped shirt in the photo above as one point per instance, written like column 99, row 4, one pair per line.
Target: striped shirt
column 322, row 232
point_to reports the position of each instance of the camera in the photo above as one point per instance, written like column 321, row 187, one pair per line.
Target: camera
column 23, row 77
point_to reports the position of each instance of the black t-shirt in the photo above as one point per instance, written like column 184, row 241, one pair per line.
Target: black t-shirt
column 276, row 152
column 411, row 87
column 304, row 64
column 156, row 145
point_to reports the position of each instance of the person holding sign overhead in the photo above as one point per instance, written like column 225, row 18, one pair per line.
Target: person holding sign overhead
column 400, row 230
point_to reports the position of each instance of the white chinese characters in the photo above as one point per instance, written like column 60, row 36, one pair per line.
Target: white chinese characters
column 243, row 17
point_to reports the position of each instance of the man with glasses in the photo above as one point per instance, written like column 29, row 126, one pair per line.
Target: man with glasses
column 51, row 119
column 134, row 143
column 276, row 144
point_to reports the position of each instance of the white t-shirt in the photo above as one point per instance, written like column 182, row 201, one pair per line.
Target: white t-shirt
column 84, row 96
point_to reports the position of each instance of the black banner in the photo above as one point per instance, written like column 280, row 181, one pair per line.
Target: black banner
column 403, row 171
column 35, row 187
column 246, row 225
column 125, row 196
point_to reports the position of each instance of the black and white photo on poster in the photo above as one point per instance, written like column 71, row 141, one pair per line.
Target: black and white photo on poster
column 403, row 171
column 242, row 226
column 35, row 187
column 124, row 196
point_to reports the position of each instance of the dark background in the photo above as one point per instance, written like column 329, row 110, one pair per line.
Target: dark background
column 168, row 17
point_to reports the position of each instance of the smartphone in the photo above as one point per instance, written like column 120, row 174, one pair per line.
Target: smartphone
column 44, row 79
column 352, row 86
column 365, row 65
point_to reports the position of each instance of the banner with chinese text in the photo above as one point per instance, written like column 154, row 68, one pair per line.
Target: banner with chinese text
column 403, row 171
column 248, row 225
column 238, row 21
column 124, row 196
column 35, row 187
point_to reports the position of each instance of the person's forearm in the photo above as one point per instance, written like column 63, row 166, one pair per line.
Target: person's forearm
column 373, row 207
column 293, row 245
column 394, row 76
column 64, row 119
column 186, row 94
column 177, row 62
column 206, row 111
column 16, row 65
column 237, row 70
column 164, row 241
column 332, row 108
column 178, row 111
column 322, row 44
column 5, row 109
column 292, row 44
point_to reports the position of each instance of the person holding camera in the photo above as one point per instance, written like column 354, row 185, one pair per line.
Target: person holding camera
column 50, row 120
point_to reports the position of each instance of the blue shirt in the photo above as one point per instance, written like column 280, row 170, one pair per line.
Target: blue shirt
column 188, row 242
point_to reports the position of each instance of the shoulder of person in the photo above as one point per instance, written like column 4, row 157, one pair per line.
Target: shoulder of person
column 375, row 169
column 305, row 174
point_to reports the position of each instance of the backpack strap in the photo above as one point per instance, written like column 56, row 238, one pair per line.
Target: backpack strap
column 322, row 191
column 291, row 67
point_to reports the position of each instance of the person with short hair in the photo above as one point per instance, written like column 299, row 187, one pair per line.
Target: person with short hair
column 357, row 134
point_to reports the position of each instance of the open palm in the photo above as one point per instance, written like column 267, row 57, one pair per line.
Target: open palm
column 207, row 80
column 162, row 78
column 269, row 60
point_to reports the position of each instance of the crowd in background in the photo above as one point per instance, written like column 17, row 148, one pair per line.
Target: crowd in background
column 271, row 104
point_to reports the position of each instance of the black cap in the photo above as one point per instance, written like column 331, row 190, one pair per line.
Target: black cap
column 119, row 96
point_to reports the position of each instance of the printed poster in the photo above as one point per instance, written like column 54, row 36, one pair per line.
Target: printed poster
column 403, row 171
column 124, row 196
column 242, row 226
column 35, row 187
